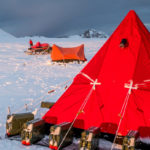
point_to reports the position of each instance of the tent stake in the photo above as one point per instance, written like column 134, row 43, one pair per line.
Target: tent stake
column 9, row 112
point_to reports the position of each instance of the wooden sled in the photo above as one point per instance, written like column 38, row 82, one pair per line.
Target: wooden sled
column 38, row 51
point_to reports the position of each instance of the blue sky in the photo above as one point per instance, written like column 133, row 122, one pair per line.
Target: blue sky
column 55, row 18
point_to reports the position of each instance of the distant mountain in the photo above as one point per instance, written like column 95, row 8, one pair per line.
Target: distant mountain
column 92, row 33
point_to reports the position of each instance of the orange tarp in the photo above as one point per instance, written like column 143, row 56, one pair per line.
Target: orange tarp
column 73, row 53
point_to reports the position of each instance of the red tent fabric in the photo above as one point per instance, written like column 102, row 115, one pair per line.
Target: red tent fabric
column 113, row 89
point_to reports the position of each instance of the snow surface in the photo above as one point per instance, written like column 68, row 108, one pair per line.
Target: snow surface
column 26, row 79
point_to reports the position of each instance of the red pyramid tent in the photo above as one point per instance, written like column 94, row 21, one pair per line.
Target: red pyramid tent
column 114, row 87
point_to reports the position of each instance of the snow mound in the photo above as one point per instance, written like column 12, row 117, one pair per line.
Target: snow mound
column 4, row 36
column 148, row 26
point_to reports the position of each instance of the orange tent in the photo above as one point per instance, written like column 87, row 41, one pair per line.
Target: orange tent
column 69, row 54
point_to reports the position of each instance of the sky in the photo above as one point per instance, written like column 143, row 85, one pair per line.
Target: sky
column 56, row 18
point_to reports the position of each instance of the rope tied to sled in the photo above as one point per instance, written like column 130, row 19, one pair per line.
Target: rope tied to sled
column 60, row 85
column 81, row 109
column 124, row 106
column 43, row 96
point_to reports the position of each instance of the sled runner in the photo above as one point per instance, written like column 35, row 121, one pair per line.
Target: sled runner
column 38, row 51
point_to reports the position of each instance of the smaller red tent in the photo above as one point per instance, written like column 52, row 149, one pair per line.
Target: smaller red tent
column 73, row 53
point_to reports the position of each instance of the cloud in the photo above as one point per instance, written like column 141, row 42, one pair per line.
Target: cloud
column 60, row 17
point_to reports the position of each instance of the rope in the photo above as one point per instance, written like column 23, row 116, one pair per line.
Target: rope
column 94, row 83
column 88, row 77
column 148, row 80
column 61, row 84
column 78, row 113
column 123, row 110
column 123, row 107
column 42, row 97
column 121, row 118
column 46, row 50
column 22, row 108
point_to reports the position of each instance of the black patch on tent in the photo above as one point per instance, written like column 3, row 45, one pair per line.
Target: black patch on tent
column 124, row 43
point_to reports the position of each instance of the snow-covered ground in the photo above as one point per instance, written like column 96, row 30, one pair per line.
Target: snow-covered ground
column 26, row 79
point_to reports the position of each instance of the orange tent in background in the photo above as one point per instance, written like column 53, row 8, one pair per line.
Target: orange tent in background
column 69, row 54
